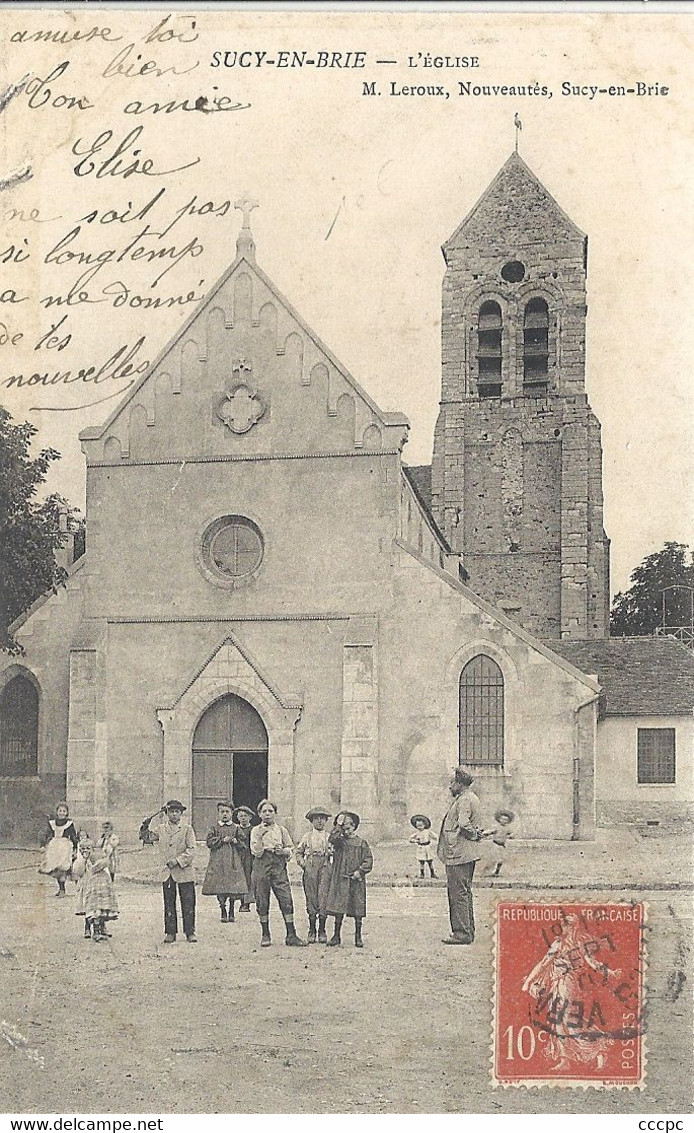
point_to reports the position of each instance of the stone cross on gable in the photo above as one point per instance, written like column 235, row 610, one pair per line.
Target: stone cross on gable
column 246, row 204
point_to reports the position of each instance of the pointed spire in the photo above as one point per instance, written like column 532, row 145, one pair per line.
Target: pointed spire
column 245, row 244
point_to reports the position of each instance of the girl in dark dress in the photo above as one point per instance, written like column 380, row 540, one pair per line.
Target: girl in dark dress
column 352, row 860
column 225, row 876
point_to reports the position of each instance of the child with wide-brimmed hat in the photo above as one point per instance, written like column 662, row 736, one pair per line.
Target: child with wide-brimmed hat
column 352, row 860
column 313, row 855
column 176, row 845
column 424, row 843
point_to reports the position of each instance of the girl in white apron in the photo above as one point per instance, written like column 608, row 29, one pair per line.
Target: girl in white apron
column 60, row 841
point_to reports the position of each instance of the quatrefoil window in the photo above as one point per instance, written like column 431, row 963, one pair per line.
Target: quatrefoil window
column 241, row 408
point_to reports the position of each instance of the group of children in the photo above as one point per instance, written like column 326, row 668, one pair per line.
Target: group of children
column 70, row 853
column 247, row 863
column 334, row 867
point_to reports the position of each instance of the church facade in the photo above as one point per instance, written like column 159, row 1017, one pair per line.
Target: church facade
column 272, row 603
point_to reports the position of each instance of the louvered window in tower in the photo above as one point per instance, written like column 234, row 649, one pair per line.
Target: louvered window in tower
column 489, row 332
column 482, row 713
column 536, row 347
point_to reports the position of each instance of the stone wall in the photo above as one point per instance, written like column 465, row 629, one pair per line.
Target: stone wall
column 434, row 627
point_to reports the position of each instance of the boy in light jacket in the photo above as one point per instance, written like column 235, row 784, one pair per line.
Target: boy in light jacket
column 175, row 842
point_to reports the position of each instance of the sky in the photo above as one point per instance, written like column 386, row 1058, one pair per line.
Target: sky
column 357, row 194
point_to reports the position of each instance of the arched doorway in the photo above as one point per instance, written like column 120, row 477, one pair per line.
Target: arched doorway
column 230, row 759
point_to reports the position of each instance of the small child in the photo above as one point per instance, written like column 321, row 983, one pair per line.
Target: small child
column 499, row 835
column 243, row 816
column 352, row 860
column 109, row 843
column 60, row 840
column 97, row 894
column 313, row 855
column 424, row 842
column 225, row 876
column 80, row 868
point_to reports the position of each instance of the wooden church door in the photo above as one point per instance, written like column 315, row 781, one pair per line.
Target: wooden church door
column 230, row 759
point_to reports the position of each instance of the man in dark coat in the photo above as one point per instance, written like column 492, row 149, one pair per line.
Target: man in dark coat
column 458, row 849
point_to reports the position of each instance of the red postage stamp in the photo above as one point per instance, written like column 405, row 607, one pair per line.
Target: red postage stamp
column 569, row 1007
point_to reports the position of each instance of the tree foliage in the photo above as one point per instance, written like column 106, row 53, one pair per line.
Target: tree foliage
column 30, row 528
column 639, row 610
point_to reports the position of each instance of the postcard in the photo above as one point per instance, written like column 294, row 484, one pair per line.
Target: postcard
column 346, row 473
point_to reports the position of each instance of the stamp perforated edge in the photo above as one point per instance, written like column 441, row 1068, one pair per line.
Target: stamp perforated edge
column 568, row 1083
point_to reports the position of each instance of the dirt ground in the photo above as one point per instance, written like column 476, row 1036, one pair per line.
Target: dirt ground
column 404, row 1026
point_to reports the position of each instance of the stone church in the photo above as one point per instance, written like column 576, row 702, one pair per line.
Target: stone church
column 272, row 603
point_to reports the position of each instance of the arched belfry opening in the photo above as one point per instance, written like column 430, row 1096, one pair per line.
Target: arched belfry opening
column 230, row 759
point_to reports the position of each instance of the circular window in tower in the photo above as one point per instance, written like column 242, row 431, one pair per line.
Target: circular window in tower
column 513, row 272
column 232, row 549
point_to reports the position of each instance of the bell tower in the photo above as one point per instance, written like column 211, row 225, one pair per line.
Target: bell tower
column 517, row 466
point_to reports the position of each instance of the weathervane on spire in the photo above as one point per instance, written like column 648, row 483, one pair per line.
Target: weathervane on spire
column 245, row 245
column 519, row 126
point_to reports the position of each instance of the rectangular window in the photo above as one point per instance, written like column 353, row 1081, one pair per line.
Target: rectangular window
column 656, row 755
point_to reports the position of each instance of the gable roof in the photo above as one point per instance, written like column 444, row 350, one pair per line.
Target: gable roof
column 419, row 476
column 514, row 196
column 423, row 497
column 641, row 676
column 546, row 649
column 386, row 418
column 49, row 594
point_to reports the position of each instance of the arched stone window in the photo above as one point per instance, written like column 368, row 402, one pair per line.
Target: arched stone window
column 19, row 728
column 489, row 334
column 481, row 718
column 536, row 347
